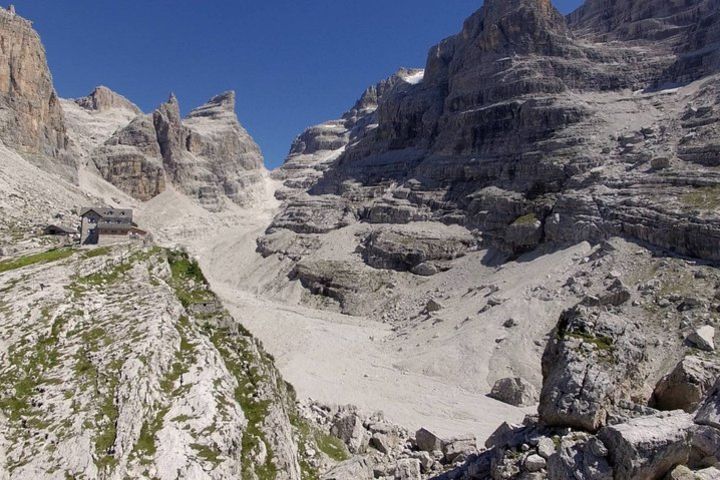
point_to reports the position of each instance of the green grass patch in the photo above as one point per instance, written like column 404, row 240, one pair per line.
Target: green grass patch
column 702, row 198
column 206, row 453
column 332, row 446
column 97, row 252
column 600, row 342
column 528, row 219
column 191, row 286
column 28, row 367
column 236, row 353
column 145, row 446
column 43, row 257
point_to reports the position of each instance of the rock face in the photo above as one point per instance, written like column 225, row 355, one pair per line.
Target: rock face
column 315, row 150
column 131, row 161
column 208, row 155
column 31, row 119
column 519, row 126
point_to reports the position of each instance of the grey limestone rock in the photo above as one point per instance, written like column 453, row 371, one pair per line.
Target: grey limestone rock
column 514, row 391
column 648, row 447
column 685, row 387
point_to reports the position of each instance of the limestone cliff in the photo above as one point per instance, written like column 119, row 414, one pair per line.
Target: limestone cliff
column 31, row 120
column 208, row 155
column 532, row 127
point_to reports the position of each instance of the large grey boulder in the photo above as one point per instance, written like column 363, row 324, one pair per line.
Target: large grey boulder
column 684, row 473
column 705, row 442
column 647, row 448
column 428, row 441
column 349, row 428
column 686, row 385
column 514, row 391
column 459, row 448
column 406, row 250
column 588, row 368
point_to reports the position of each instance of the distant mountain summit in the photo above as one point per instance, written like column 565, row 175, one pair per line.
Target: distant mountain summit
column 102, row 99
column 208, row 155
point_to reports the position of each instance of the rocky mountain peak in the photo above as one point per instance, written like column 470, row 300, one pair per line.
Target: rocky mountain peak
column 495, row 10
column 169, row 111
column 372, row 96
column 221, row 104
column 516, row 25
column 102, row 99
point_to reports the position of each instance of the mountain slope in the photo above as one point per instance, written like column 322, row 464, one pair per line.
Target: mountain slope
column 121, row 363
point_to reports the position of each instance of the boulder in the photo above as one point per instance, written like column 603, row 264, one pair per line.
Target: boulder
column 514, row 391
column 507, row 435
column 426, row 460
column 524, row 234
column 356, row 468
column 703, row 338
column 684, row 473
column 534, row 463
column 705, row 441
column 592, row 366
column 546, row 447
column 433, row 306
column 428, row 441
column 709, row 412
column 384, row 442
column 407, row 250
column 457, row 447
column 647, row 448
column 408, row 469
column 425, row 269
column 349, row 428
column 576, row 458
column 660, row 163
column 686, row 385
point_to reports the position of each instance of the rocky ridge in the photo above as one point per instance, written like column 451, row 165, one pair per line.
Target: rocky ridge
column 208, row 155
column 119, row 362
column 549, row 133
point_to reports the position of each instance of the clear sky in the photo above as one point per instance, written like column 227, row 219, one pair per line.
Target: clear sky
column 293, row 63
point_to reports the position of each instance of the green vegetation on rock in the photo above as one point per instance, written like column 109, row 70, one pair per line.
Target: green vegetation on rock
column 43, row 257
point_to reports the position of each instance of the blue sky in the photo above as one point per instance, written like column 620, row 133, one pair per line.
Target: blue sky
column 293, row 63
